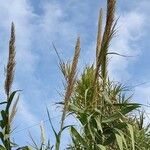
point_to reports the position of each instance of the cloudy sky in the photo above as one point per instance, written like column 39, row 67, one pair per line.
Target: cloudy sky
column 39, row 23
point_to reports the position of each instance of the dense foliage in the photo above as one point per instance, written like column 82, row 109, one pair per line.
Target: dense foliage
column 108, row 118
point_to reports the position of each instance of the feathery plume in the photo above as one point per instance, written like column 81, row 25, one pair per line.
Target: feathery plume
column 108, row 33
column 11, row 62
column 43, row 137
column 98, row 49
column 109, row 18
column 107, row 36
column 99, row 35
column 70, row 82
column 14, row 110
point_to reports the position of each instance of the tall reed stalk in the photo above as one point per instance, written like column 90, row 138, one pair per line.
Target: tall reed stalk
column 70, row 85
column 9, row 110
column 8, row 83
column 107, row 36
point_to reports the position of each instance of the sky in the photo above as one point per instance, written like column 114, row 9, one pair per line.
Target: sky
column 39, row 23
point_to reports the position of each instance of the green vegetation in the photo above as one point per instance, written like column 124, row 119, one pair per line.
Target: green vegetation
column 106, row 115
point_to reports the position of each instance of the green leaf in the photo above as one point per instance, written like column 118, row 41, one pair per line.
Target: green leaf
column 3, row 122
column 126, row 104
column 33, row 141
column 86, row 95
column 106, row 98
column 75, row 109
column 90, row 128
column 101, row 147
column 129, row 108
column 122, row 136
column 24, row 148
column 110, row 138
column 119, row 141
column 98, row 122
column 2, row 148
column 75, row 133
column 10, row 99
column 132, row 135
column 125, row 110
column 111, row 118
column 5, row 102
column 57, row 136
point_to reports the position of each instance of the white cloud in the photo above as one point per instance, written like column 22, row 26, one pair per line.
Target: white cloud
column 32, row 31
column 24, row 113
column 21, row 14
column 129, row 32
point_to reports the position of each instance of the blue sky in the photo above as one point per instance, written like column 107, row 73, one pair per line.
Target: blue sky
column 39, row 23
